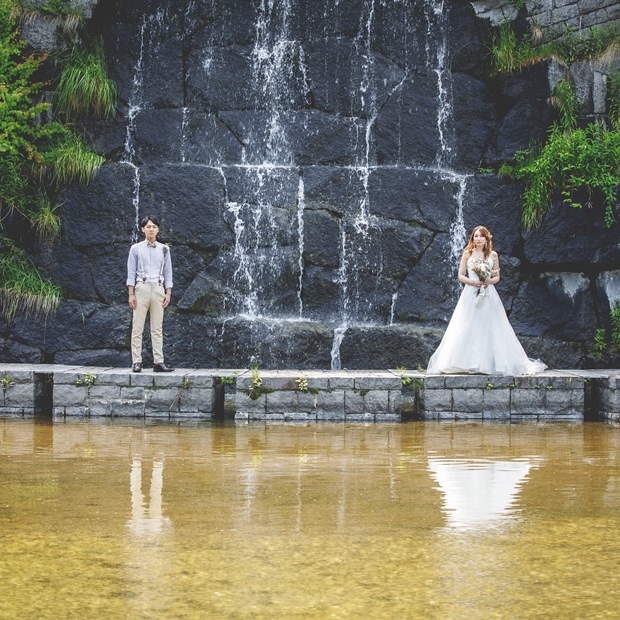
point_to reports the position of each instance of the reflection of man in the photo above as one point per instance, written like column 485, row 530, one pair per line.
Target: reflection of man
column 149, row 280
column 145, row 521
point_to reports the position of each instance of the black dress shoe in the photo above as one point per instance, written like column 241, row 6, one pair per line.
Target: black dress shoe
column 162, row 368
column 137, row 367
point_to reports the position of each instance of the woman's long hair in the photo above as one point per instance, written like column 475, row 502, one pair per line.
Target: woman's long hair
column 488, row 246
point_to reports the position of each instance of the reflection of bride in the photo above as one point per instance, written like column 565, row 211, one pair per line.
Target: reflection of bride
column 479, row 337
column 479, row 493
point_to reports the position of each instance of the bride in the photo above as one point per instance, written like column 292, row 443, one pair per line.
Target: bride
column 479, row 338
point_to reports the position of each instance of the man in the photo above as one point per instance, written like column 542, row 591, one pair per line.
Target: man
column 149, row 280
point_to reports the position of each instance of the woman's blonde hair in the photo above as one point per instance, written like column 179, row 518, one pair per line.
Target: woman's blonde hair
column 488, row 246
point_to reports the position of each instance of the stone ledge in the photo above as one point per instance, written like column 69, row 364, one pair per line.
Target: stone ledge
column 359, row 395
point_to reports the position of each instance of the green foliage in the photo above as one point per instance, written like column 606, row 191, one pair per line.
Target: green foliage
column 404, row 380
column 7, row 382
column 45, row 220
column 574, row 161
column 508, row 53
column 22, row 288
column 564, row 99
column 88, row 380
column 39, row 152
column 57, row 8
column 36, row 154
column 84, row 86
column 302, row 383
column 582, row 165
column 597, row 42
column 613, row 100
column 256, row 384
column 69, row 159
column 20, row 136
column 615, row 323
column 600, row 342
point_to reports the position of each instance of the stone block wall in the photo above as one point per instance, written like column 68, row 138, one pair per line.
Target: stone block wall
column 552, row 16
column 481, row 397
column 349, row 396
column 608, row 396
column 18, row 395
column 96, row 392
column 334, row 395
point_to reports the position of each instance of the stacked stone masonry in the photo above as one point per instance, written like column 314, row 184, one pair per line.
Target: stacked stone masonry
column 118, row 393
column 360, row 396
column 329, row 395
column 540, row 397
column 552, row 17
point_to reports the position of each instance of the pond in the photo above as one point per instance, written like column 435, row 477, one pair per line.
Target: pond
column 116, row 519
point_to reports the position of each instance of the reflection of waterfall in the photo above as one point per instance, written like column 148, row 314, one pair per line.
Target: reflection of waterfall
column 147, row 521
column 479, row 493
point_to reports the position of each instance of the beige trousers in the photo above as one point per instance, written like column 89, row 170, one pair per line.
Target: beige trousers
column 149, row 298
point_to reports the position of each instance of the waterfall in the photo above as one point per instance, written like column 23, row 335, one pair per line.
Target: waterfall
column 184, row 135
column 129, row 152
column 307, row 236
column 458, row 234
column 437, row 31
column 339, row 333
column 150, row 26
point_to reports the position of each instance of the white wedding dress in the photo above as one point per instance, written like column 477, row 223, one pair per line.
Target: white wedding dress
column 479, row 337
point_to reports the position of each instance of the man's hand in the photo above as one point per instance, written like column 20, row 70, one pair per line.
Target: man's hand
column 166, row 302
column 132, row 301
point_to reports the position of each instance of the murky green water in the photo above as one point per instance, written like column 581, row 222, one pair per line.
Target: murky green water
column 420, row 520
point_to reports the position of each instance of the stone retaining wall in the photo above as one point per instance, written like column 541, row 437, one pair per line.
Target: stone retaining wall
column 367, row 396
column 330, row 395
column 552, row 17
column 540, row 397
column 607, row 397
column 188, row 394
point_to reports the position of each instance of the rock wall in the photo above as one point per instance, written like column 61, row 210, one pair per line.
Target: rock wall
column 552, row 17
column 317, row 168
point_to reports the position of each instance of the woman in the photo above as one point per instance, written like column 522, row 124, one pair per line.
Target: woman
column 479, row 338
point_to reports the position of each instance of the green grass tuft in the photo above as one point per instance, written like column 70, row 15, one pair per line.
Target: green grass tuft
column 22, row 288
column 84, row 87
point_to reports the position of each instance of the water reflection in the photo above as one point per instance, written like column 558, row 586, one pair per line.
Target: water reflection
column 147, row 520
column 113, row 519
column 479, row 494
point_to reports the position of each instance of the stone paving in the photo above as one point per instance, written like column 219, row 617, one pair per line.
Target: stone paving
column 306, row 395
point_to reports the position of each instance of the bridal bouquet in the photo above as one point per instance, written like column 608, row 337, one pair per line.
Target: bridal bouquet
column 484, row 271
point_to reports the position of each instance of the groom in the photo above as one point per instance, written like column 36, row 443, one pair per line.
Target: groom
column 149, row 280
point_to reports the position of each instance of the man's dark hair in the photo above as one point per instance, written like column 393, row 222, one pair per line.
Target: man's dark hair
column 149, row 218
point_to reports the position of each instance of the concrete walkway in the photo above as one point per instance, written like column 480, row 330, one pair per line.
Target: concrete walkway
column 60, row 391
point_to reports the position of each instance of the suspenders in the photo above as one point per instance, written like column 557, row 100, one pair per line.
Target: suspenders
column 160, row 279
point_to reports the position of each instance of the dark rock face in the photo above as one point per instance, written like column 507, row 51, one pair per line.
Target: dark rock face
column 315, row 166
